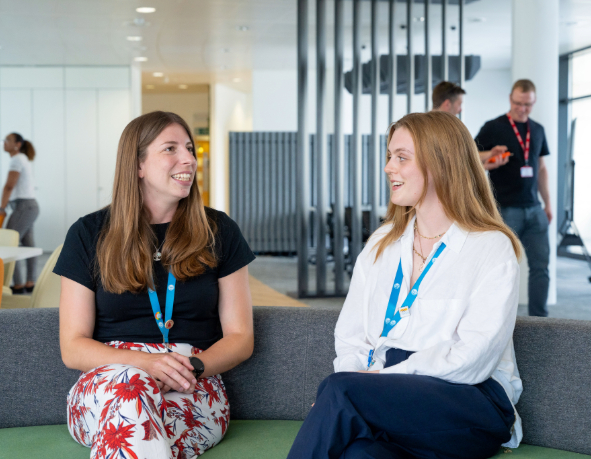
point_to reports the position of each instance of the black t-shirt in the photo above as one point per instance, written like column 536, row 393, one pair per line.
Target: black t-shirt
column 128, row 317
column 512, row 190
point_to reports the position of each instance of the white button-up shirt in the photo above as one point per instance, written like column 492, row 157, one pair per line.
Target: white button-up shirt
column 461, row 323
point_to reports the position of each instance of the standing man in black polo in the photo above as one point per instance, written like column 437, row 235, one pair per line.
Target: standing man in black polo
column 517, row 183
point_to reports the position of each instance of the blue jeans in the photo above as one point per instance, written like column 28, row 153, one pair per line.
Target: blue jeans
column 531, row 226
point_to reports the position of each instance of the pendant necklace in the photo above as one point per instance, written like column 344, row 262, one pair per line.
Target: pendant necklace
column 421, row 246
column 420, row 255
column 158, row 253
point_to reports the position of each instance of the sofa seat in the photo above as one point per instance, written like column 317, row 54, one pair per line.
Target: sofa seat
column 244, row 440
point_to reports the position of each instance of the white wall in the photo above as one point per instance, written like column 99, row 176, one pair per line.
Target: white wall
column 274, row 100
column 74, row 117
column 487, row 98
column 231, row 110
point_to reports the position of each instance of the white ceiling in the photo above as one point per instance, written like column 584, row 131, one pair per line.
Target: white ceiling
column 189, row 40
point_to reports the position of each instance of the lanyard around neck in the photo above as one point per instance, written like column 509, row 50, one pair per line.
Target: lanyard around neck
column 393, row 316
column 525, row 146
column 166, row 325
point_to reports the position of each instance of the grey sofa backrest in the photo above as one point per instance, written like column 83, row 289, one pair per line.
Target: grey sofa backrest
column 294, row 349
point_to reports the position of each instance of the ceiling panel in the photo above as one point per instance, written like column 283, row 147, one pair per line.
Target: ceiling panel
column 203, row 36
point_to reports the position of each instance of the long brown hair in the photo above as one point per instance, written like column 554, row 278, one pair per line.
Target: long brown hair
column 127, row 241
column 445, row 149
column 26, row 147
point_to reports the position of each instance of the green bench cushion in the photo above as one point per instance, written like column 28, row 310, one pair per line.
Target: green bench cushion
column 244, row 440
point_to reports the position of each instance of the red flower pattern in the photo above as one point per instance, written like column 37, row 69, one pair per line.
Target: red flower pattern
column 126, row 398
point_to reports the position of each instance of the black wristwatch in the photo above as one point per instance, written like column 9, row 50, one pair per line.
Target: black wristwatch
column 198, row 366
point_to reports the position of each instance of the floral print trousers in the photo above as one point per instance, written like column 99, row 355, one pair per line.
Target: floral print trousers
column 119, row 411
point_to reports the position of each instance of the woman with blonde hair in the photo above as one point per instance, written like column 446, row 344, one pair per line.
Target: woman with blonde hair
column 425, row 365
column 155, row 304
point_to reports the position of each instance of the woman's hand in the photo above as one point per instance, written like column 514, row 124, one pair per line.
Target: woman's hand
column 163, row 387
column 171, row 371
column 367, row 371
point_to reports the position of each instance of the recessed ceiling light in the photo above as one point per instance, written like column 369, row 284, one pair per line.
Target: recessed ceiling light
column 134, row 38
column 226, row 50
column 150, row 86
column 183, row 86
column 158, row 74
column 243, row 28
column 140, row 59
column 145, row 9
column 236, row 80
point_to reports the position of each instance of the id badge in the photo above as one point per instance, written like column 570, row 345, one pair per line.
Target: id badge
column 404, row 311
column 527, row 171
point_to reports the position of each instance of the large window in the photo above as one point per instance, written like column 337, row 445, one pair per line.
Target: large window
column 581, row 111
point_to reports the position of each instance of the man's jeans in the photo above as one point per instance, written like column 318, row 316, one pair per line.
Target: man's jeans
column 531, row 226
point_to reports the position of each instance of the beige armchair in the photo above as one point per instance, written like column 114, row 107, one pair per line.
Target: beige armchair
column 8, row 238
column 46, row 293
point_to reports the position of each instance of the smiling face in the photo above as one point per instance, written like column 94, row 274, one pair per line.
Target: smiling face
column 168, row 169
column 521, row 104
column 406, row 179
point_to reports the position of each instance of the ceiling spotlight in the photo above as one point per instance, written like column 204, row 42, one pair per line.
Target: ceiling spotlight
column 236, row 80
column 150, row 86
column 145, row 9
column 183, row 86
column 226, row 50
column 158, row 74
column 140, row 59
column 243, row 28
column 134, row 38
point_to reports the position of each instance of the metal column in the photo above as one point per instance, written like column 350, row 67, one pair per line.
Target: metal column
column 303, row 164
column 393, row 86
column 410, row 66
column 339, row 206
column 321, row 207
column 374, row 153
column 444, row 58
column 356, row 214
column 429, row 67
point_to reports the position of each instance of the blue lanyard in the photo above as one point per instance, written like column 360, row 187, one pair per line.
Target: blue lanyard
column 165, row 326
column 393, row 316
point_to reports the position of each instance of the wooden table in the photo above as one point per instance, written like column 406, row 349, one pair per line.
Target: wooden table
column 10, row 254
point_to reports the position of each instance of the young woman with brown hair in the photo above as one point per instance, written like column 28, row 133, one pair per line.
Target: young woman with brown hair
column 159, row 273
column 19, row 192
column 425, row 365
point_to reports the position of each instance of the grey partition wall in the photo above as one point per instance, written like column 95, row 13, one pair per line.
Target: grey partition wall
column 263, row 189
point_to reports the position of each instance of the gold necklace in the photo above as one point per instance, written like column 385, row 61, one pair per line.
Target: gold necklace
column 425, row 237
column 420, row 255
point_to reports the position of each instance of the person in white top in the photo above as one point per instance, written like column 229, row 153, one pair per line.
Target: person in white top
column 425, row 365
column 19, row 191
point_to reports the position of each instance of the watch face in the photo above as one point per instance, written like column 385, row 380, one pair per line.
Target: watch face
column 197, row 365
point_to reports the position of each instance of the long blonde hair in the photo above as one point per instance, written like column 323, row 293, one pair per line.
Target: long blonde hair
column 445, row 149
column 127, row 241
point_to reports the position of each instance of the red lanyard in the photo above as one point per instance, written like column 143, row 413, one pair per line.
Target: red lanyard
column 526, row 146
